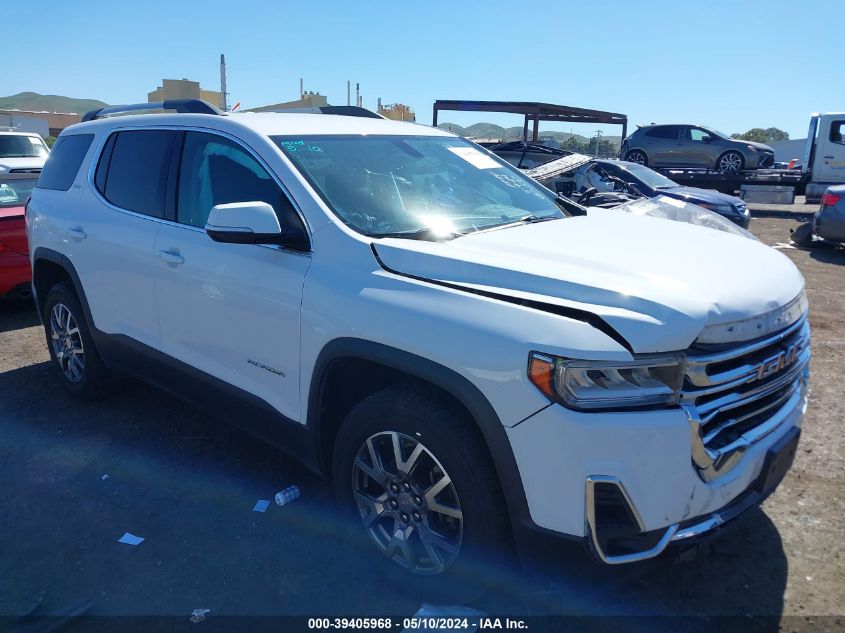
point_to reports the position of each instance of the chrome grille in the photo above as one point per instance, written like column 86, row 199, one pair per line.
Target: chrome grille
column 732, row 390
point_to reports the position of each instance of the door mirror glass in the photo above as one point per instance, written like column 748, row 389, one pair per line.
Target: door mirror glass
column 245, row 223
column 706, row 138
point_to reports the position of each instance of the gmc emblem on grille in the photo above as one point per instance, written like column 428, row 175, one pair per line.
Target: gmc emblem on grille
column 776, row 363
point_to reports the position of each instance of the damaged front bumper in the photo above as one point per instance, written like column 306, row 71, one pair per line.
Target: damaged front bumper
column 616, row 533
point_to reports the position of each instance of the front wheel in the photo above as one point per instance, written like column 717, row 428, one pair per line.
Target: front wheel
column 637, row 156
column 730, row 162
column 419, row 480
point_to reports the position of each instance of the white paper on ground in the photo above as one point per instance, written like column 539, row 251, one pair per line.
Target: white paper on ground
column 130, row 539
column 261, row 505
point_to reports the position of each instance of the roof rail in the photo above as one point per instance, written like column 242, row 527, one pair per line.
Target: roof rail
column 342, row 110
column 182, row 106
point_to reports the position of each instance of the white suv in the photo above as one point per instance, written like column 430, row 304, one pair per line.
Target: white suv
column 474, row 365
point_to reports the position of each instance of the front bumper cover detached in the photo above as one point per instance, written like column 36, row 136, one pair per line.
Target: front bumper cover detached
column 616, row 533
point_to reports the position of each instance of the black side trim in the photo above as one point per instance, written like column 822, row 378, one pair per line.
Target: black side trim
column 208, row 393
column 570, row 313
column 488, row 422
column 47, row 254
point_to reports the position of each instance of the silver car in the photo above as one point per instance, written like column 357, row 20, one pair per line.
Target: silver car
column 694, row 146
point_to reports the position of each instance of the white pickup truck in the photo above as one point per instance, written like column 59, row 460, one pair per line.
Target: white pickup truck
column 474, row 365
column 824, row 155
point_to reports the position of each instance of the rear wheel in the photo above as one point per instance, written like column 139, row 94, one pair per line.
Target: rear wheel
column 730, row 162
column 71, row 347
column 422, row 486
column 637, row 156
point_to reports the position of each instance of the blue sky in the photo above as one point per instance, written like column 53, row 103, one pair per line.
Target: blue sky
column 732, row 65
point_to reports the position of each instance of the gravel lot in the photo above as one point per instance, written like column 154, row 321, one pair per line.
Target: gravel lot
column 188, row 483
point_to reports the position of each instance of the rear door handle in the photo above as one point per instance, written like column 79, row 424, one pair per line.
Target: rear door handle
column 76, row 233
column 171, row 257
column 828, row 156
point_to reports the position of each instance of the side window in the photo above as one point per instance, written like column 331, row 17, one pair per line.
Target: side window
column 136, row 173
column 694, row 134
column 664, row 131
column 837, row 130
column 61, row 168
column 216, row 171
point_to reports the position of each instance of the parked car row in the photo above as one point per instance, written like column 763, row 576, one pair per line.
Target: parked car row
column 22, row 156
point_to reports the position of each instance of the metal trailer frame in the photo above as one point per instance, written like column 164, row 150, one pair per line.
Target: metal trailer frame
column 730, row 183
column 534, row 111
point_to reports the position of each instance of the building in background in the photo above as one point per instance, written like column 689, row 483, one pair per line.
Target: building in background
column 43, row 123
column 306, row 100
column 183, row 89
column 396, row 112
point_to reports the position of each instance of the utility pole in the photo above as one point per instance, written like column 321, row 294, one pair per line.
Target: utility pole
column 357, row 94
column 301, row 88
column 348, row 92
column 598, row 142
column 223, row 94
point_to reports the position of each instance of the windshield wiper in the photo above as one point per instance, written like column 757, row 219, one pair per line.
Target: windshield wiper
column 420, row 234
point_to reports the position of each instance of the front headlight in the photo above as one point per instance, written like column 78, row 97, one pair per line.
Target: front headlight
column 591, row 385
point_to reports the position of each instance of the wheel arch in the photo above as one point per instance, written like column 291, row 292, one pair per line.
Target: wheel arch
column 370, row 366
column 50, row 267
column 733, row 150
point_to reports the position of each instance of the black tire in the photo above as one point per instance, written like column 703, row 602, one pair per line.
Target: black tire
column 451, row 439
column 93, row 381
column 737, row 159
column 634, row 155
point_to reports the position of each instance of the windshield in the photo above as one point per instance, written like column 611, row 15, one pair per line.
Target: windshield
column 716, row 132
column 18, row 146
column 416, row 186
column 648, row 176
column 13, row 193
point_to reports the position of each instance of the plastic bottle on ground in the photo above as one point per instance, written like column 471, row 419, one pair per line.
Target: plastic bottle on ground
column 287, row 495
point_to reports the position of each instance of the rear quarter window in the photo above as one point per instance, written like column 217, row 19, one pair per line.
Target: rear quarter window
column 135, row 174
column 61, row 168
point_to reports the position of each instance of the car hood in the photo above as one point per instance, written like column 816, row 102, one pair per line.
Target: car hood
column 658, row 283
column 24, row 162
column 762, row 146
column 704, row 195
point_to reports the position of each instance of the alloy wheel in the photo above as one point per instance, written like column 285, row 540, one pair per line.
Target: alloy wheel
column 67, row 342
column 636, row 157
column 730, row 163
column 407, row 502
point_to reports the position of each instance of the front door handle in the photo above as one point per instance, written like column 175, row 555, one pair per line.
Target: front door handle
column 171, row 257
column 76, row 233
column 828, row 156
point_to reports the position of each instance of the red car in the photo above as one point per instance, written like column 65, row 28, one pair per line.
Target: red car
column 15, row 271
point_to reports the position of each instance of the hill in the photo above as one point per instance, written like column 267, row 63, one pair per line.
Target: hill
column 491, row 130
column 49, row 103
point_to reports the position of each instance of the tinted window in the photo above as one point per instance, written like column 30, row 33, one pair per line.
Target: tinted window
column 137, row 171
column 664, row 131
column 62, row 166
column 216, row 171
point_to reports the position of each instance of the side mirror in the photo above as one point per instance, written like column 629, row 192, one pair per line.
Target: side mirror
column 250, row 223
column 706, row 138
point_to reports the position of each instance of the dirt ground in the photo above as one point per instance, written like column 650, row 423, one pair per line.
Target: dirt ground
column 76, row 476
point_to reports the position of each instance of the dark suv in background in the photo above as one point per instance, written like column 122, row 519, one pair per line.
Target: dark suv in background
column 694, row 146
